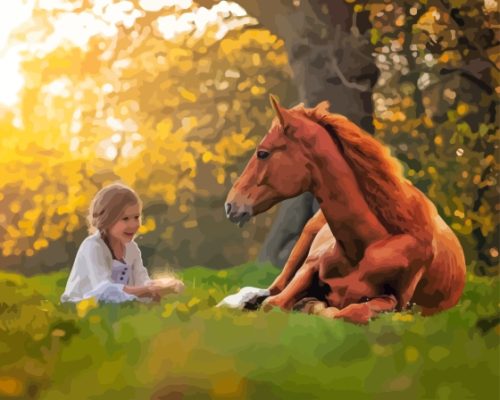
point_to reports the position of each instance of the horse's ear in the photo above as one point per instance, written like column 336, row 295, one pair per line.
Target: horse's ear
column 282, row 113
column 277, row 109
column 323, row 107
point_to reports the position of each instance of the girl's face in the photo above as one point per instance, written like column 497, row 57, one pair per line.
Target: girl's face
column 126, row 227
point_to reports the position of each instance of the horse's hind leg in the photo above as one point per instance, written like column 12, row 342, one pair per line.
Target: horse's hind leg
column 362, row 313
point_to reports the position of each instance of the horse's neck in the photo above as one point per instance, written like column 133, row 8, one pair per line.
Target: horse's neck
column 335, row 186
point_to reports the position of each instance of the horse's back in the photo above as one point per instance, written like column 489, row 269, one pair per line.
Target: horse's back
column 443, row 281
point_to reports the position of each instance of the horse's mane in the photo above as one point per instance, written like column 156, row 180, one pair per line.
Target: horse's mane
column 379, row 175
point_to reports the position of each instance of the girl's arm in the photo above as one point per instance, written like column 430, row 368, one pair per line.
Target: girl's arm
column 89, row 270
column 139, row 291
column 139, row 271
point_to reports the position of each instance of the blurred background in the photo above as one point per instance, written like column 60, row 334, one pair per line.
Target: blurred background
column 171, row 98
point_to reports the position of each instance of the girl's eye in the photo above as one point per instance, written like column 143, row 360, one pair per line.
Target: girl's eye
column 125, row 219
column 137, row 217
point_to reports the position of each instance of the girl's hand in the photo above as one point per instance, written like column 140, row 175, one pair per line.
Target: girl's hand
column 166, row 286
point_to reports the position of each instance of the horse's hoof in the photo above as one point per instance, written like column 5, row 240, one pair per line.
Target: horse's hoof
column 309, row 305
column 270, row 303
column 329, row 312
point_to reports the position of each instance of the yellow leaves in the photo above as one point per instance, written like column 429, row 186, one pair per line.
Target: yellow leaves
column 257, row 90
column 377, row 124
column 84, row 306
column 438, row 140
column 7, row 247
column 207, row 156
column 33, row 215
column 53, row 231
column 428, row 121
column 227, row 46
column 400, row 21
column 220, row 176
column 13, row 232
column 459, row 214
column 234, row 146
column 358, row 8
column 58, row 333
column 177, row 55
column 277, row 58
column 33, row 183
column 72, row 223
column 15, row 207
column 40, row 244
column 149, row 225
column 64, row 209
column 168, row 310
column 194, row 301
column 407, row 102
column 187, row 161
column 256, row 61
column 393, row 116
column 170, row 194
column 264, row 38
column 244, row 85
column 402, row 317
column 462, row 108
column 10, row 386
column 186, row 94
column 190, row 224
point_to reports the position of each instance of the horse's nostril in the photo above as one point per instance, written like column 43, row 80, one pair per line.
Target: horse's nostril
column 228, row 208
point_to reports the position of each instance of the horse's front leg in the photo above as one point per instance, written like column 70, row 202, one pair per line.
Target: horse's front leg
column 304, row 245
column 324, row 254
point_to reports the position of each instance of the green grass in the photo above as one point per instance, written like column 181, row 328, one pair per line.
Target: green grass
column 186, row 348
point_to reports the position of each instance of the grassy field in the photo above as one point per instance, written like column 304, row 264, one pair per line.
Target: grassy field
column 184, row 348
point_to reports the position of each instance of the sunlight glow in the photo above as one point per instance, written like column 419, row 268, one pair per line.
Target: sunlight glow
column 111, row 152
column 102, row 20
column 199, row 19
column 157, row 5
column 12, row 14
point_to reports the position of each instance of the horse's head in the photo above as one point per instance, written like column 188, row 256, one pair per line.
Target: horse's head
column 279, row 169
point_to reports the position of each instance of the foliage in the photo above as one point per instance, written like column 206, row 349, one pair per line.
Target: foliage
column 185, row 345
column 435, row 106
column 118, row 106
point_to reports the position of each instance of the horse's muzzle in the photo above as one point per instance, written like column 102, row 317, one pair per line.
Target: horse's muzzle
column 239, row 214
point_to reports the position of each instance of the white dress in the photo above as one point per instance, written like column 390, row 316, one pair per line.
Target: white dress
column 96, row 274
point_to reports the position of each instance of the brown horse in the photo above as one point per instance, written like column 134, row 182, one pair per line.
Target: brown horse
column 378, row 243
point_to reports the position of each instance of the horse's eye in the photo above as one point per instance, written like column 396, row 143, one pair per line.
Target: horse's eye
column 262, row 154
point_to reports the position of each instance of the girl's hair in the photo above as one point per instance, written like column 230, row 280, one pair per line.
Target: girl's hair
column 108, row 205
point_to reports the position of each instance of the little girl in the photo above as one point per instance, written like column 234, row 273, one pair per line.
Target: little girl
column 108, row 264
